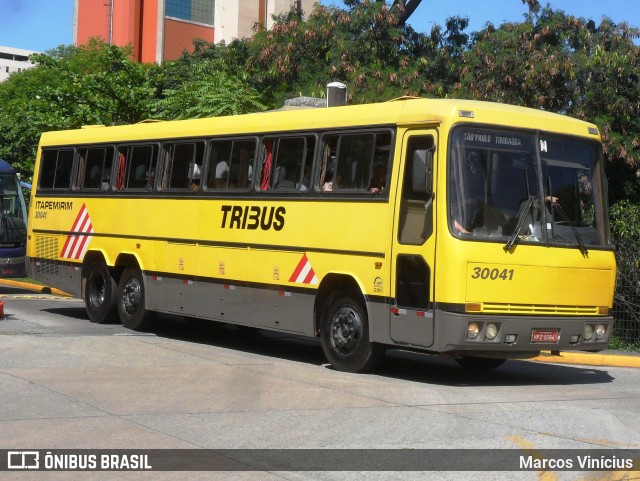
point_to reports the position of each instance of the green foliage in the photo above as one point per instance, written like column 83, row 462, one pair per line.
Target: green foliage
column 100, row 84
column 625, row 231
column 619, row 344
column 207, row 91
column 70, row 87
column 364, row 46
column 625, row 222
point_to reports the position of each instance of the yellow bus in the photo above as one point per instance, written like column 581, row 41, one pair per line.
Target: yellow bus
column 474, row 229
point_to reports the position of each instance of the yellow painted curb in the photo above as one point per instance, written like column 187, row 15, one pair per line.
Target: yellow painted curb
column 590, row 359
column 33, row 287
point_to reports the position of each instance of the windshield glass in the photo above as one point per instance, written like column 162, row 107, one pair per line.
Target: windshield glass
column 503, row 185
column 573, row 179
column 12, row 212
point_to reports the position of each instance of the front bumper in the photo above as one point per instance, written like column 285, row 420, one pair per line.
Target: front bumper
column 514, row 334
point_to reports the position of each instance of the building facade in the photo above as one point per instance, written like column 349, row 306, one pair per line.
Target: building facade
column 161, row 30
column 13, row 60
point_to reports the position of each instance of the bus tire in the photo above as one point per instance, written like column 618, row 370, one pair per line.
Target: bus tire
column 473, row 363
column 344, row 335
column 100, row 293
column 131, row 301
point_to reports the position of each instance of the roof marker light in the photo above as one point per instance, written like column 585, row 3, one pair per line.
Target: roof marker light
column 468, row 114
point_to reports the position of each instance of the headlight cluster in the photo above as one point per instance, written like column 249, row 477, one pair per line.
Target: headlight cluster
column 595, row 332
column 482, row 331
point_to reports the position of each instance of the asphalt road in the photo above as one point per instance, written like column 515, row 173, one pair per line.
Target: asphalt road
column 68, row 384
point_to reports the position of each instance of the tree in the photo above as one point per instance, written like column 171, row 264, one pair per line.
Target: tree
column 534, row 8
column 208, row 91
column 71, row 87
column 405, row 9
column 365, row 45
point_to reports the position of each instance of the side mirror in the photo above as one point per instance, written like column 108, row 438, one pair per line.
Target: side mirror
column 422, row 168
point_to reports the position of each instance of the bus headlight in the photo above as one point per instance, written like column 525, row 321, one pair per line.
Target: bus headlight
column 473, row 329
column 588, row 332
column 491, row 331
column 601, row 330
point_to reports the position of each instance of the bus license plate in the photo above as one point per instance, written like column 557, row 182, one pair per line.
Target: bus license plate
column 549, row 335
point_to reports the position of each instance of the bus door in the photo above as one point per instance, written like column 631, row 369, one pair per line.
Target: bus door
column 413, row 245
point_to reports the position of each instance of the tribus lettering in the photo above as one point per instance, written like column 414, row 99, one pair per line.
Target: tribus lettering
column 252, row 217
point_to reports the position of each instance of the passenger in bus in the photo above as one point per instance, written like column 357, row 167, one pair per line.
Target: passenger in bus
column 328, row 186
column 281, row 180
column 194, row 174
column 222, row 175
column 379, row 178
column 140, row 177
column 239, row 175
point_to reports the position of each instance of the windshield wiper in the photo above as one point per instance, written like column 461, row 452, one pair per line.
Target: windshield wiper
column 521, row 220
column 581, row 245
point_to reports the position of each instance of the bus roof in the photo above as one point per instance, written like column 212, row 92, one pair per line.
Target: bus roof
column 402, row 111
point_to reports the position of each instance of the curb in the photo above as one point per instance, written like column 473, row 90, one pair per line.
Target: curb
column 568, row 357
column 33, row 287
column 590, row 359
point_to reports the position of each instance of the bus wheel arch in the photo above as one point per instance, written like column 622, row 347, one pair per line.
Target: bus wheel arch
column 123, row 261
column 330, row 284
column 343, row 325
column 99, row 288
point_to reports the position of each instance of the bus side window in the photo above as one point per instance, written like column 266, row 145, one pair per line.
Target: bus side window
column 179, row 166
column 356, row 162
column 379, row 174
column 416, row 212
column 355, row 155
column 291, row 165
column 231, row 164
column 96, row 164
column 141, row 166
column 55, row 172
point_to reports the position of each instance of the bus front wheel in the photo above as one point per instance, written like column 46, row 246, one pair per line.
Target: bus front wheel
column 100, row 293
column 344, row 335
column 131, row 301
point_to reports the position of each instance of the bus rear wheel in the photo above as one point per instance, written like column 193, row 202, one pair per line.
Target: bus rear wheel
column 131, row 301
column 344, row 335
column 100, row 293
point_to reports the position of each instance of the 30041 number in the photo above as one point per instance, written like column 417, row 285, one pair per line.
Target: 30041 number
column 492, row 274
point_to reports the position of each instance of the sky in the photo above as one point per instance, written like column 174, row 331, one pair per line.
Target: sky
column 42, row 25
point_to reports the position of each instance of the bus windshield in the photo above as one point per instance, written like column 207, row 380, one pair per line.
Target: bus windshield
column 13, row 229
column 527, row 186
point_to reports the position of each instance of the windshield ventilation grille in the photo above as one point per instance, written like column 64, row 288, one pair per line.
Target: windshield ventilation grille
column 541, row 309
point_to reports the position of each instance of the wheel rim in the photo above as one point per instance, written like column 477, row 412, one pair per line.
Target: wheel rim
column 346, row 330
column 131, row 296
column 97, row 293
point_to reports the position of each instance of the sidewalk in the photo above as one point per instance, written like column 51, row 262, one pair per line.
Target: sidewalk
column 32, row 287
column 604, row 358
